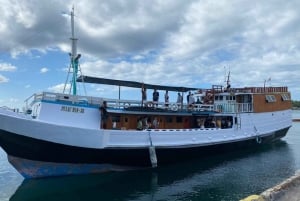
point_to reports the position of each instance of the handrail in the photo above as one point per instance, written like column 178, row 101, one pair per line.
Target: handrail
column 234, row 107
column 9, row 109
column 124, row 104
column 5, row 107
column 258, row 90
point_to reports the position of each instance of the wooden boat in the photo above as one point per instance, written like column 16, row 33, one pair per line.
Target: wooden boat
column 62, row 134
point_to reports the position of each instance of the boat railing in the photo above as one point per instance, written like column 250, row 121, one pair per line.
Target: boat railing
column 125, row 104
column 234, row 107
column 203, row 107
column 51, row 96
column 10, row 109
column 258, row 90
column 171, row 106
column 117, row 103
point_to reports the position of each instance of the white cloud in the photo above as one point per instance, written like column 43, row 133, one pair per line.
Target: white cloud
column 7, row 67
column 44, row 70
column 3, row 79
column 164, row 42
column 13, row 100
column 60, row 88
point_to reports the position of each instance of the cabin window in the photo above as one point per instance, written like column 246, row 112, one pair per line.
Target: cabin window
column 270, row 98
column 247, row 98
column 179, row 119
column 169, row 119
column 230, row 97
column 115, row 118
column 227, row 121
column 285, row 97
column 227, row 97
column 219, row 98
column 126, row 119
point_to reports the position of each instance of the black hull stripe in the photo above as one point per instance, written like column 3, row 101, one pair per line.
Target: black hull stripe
column 39, row 150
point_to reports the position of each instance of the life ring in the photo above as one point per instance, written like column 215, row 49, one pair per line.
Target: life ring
column 149, row 104
column 174, row 107
column 126, row 105
column 258, row 140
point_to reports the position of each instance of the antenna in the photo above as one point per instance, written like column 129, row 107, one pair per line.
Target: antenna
column 227, row 78
column 265, row 81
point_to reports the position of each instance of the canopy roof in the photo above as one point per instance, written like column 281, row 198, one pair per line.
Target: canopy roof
column 97, row 80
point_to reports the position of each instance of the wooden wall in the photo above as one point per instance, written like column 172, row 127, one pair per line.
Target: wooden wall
column 129, row 121
column 261, row 105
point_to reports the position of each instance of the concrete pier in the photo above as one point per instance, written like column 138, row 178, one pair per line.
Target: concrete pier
column 288, row 190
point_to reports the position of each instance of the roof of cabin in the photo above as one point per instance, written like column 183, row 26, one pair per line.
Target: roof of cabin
column 134, row 84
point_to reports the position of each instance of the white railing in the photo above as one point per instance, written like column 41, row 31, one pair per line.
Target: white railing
column 7, row 108
column 49, row 96
column 233, row 107
column 124, row 104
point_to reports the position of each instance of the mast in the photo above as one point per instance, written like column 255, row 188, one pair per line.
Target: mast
column 74, row 56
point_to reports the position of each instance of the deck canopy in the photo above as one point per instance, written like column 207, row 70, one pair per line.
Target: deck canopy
column 133, row 84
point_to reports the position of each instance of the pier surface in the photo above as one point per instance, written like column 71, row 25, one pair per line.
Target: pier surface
column 288, row 190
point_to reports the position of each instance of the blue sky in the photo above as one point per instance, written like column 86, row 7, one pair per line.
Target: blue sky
column 184, row 43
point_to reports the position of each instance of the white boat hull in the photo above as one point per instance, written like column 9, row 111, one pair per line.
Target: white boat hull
column 39, row 149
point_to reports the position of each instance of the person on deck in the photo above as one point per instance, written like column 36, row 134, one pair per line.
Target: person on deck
column 166, row 99
column 179, row 100
column 155, row 97
column 188, row 98
column 140, row 124
column 191, row 101
column 145, row 122
column 155, row 123
column 144, row 95
column 104, row 115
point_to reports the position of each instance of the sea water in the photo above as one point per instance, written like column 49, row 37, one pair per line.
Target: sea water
column 229, row 176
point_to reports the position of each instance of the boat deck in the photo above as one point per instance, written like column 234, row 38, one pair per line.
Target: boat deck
column 137, row 105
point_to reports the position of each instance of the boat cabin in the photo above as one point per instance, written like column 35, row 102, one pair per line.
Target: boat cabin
column 212, row 108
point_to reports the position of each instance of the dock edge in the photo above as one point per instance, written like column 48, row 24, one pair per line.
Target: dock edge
column 277, row 192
